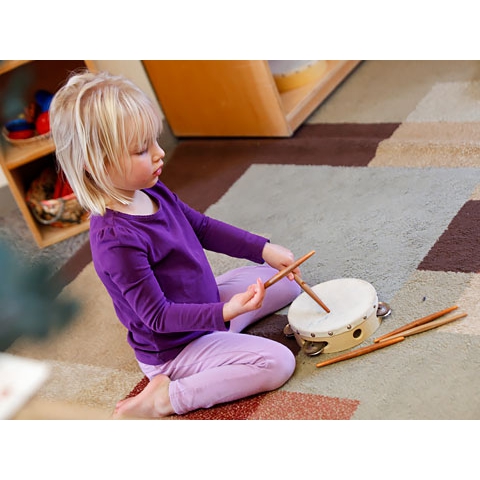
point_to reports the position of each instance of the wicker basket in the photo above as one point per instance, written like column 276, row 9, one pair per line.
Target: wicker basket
column 25, row 141
column 56, row 212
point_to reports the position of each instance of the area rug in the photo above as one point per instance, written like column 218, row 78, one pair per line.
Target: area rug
column 395, row 204
column 396, row 236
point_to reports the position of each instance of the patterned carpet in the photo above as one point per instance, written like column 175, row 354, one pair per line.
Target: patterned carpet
column 394, row 200
column 421, row 253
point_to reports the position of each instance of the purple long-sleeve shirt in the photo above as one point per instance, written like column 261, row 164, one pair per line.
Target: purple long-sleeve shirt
column 155, row 269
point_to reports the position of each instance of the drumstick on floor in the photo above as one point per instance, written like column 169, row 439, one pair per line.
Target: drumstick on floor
column 425, row 327
column 361, row 351
column 287, row 270
column 416, row 323
column 310, row 292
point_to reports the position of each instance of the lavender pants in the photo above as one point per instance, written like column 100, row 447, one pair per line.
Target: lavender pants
column 225, row 366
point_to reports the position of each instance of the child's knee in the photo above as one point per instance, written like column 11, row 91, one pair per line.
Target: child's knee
column 284, row 367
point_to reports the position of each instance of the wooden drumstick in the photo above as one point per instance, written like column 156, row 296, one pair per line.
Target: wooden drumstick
column 425, row 327
column 361, row 351
column 287, row 270
column 310, row 292
column 417, row 323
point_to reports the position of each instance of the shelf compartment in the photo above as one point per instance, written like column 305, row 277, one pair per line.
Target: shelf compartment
column 19, row 79
column 300, row 102
column 8, row 65
column 19, row 180
column 216, row 98
column 15, row 156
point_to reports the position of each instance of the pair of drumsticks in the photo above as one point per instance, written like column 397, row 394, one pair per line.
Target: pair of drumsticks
column 417, row 326
column 298, row 279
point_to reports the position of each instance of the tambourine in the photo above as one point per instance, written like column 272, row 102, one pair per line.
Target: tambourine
column 355, row 314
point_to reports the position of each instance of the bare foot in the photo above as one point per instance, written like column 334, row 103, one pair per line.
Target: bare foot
column 152, row 402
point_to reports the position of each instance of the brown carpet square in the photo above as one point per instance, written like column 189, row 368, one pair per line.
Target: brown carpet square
column 201, row 170
column 458, row 248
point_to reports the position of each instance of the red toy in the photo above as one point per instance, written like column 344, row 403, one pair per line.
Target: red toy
column 42, row 123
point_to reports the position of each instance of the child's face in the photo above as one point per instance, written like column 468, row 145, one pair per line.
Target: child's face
column 142, row 167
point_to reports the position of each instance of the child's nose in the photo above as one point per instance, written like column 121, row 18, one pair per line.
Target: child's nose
column 159, row 153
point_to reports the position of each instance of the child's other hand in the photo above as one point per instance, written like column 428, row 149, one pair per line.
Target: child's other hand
column 279, row 257
column 244, row 302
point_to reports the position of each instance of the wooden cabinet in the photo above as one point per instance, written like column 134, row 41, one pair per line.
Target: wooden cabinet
column 19, row 79
column 236, row 97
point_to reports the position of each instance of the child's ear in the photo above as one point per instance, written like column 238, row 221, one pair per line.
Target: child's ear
column 88, row 173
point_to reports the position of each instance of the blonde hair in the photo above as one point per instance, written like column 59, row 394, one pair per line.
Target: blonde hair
column 96, row 119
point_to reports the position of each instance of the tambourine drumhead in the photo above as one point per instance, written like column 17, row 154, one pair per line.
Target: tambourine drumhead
column 349, row 300
column 353, row 306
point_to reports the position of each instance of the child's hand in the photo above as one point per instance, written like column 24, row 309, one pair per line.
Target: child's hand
column 244, row 302
column 279, row 257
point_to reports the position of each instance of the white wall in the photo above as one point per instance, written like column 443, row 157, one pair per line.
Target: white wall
column 132, row 69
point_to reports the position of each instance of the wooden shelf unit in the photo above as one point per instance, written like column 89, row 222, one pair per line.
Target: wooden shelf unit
column 19, row 79
column 215, row 98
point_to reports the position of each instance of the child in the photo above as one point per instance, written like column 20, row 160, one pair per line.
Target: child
column 148, row 250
